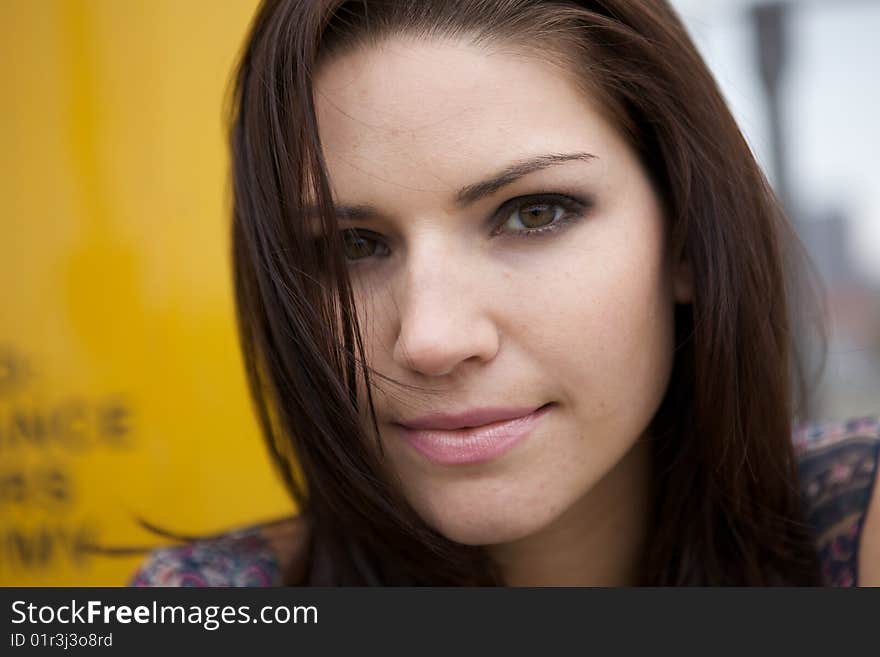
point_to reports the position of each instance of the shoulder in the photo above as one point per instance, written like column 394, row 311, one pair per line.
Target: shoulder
column 838, row 465
column 249, row 557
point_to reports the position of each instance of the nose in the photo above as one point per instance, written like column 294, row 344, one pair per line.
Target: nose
column 445, row 316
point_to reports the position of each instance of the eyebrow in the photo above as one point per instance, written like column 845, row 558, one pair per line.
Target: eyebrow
column 470, row 194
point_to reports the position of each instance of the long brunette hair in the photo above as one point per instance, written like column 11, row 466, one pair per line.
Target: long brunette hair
column 727, row 506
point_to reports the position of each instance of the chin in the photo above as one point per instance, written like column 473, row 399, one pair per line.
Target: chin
column 486, row 526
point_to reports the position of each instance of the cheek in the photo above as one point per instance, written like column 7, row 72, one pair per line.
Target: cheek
column 606, row 328
column 589, row 325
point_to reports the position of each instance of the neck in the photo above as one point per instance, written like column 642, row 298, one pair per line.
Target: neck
column 598, row 541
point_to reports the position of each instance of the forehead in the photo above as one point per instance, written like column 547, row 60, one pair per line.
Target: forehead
column 436, row 113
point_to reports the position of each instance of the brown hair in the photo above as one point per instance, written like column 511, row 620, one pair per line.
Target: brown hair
column 727, row 506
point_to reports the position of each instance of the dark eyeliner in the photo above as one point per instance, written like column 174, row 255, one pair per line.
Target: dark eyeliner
column 574, row 210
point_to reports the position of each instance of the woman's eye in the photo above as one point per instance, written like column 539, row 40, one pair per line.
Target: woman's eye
column 537, row 215
column 534, row 215
column 357, row 245
column 523, row 216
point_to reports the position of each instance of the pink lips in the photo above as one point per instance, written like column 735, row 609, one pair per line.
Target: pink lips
column 472, row 437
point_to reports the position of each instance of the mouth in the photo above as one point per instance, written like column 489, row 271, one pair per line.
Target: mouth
column 475, row 436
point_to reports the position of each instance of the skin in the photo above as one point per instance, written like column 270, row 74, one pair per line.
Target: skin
column 869, row 549
column 581, row 317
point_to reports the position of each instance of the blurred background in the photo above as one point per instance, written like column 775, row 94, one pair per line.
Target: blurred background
column 803, row 80
column 122, row 394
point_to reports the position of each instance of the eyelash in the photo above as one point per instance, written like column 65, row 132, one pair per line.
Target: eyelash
column 573, row 208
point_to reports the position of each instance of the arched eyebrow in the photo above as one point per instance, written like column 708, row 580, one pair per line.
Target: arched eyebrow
column 470, row 194
column 473, row 193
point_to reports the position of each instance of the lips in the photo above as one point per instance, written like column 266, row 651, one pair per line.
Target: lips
column 476, row 417
column 472, row 436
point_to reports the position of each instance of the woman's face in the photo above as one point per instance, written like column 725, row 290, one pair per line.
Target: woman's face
column 510, row 256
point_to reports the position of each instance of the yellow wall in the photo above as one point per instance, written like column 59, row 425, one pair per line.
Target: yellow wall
column 121, row 388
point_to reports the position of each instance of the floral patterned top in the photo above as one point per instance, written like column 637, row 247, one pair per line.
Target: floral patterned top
column 239, row 558
column 838, row 470
column 838, row 467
